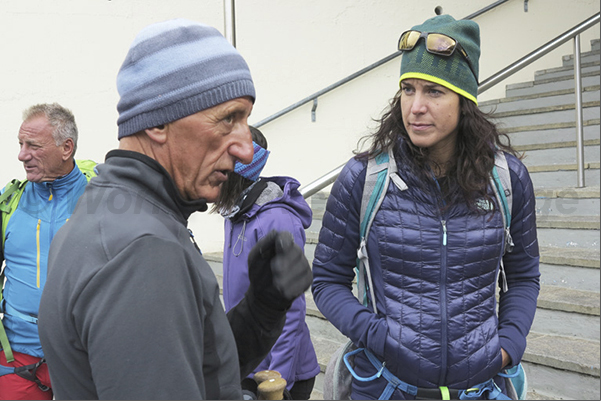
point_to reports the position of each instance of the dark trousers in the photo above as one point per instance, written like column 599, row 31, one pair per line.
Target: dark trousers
column 301, row 390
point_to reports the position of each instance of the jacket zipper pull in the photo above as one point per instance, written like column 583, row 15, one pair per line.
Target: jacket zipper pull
column 444, row 232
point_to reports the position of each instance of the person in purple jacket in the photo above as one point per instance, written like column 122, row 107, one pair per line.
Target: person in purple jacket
column 437, row 240
column 252, row 207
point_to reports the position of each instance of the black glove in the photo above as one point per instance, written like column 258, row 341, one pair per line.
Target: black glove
column 278, row 270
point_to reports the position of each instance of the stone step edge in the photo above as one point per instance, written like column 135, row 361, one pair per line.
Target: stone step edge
column 543, row 110
column 531, row 84
column 540, row 80
column 569, row 68
column 588, row 192
column 552, row 93
column 561, row 352
column 546, row 127
column 568, row 300
column 553, row 145
column 577, row 257
column 549, row 168
column 570, row 222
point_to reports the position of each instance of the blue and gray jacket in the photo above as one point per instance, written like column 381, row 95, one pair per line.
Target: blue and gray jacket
column 43, row 209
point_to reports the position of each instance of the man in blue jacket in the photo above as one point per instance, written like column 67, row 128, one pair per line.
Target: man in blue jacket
column 48, row 140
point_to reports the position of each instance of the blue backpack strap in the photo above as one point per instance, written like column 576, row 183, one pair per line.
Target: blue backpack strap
column 380, row 171
column 501, row 185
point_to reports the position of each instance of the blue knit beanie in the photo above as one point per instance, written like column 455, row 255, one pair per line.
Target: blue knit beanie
column 175, row 69
column 452, row 72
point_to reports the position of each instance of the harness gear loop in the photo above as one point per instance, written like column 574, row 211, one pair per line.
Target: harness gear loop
column 27, row 372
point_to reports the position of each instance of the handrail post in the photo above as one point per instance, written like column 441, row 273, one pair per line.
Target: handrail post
column 579, row 119
column 229, row 15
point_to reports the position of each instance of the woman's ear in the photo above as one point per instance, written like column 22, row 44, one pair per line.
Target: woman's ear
column 158, row 134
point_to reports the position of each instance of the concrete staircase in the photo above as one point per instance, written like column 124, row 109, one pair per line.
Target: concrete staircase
column 562, row 357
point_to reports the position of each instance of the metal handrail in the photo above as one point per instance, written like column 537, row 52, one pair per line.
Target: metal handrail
column 538, row 53
column 573, row 33
column 357, row 74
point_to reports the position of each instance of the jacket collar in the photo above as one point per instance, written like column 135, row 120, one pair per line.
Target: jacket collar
column 61, row 183
column 151, row 179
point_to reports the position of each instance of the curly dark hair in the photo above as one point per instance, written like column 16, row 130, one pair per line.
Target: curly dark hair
column 236, row 184
column 468, row 175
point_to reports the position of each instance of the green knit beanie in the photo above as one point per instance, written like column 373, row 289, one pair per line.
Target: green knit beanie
column 451, row 72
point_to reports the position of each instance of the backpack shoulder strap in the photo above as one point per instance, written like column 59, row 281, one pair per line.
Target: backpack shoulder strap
column 380, row 170
column 88, row 168
column 501, row 184
column 8, row 203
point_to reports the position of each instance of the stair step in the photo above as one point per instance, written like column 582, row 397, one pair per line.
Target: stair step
column 567, row 353
column 569, row 277
column 560, row 159
column 570, row 300
column 573, row 222
column 570, row 257
column 542, row 109
column 585, row 57
column 566, row 324
column 569, row 238
column 548, row 209
column 545, row 117
column 590, row 65
column 554, row 99
column 563, row 178
column 548, row 383
column 549, row 86
column 543, row 137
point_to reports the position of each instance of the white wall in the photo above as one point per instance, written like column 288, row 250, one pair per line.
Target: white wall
column 69, row 51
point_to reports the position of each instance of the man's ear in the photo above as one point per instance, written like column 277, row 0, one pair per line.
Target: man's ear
column 68, row 148
column 157, row 134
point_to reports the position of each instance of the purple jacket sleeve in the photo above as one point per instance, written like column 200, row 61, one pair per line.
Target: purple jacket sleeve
column 517, row 306
column 335, row 260
column 282, row 356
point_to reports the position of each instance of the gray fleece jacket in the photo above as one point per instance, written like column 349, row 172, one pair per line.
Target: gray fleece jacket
column 131, row 309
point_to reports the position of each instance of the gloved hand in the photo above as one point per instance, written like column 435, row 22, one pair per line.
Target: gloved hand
column 278, row 270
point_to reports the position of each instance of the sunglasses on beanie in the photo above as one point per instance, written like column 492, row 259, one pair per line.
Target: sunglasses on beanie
column 436, row 43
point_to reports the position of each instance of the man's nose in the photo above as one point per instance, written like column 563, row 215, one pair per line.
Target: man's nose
column 24, row 154
column 242, row 149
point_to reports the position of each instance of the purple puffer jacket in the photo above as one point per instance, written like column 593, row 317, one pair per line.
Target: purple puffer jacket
column 435, row 276
column 282, row 208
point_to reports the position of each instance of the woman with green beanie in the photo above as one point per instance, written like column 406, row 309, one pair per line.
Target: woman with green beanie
column 437, row 246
